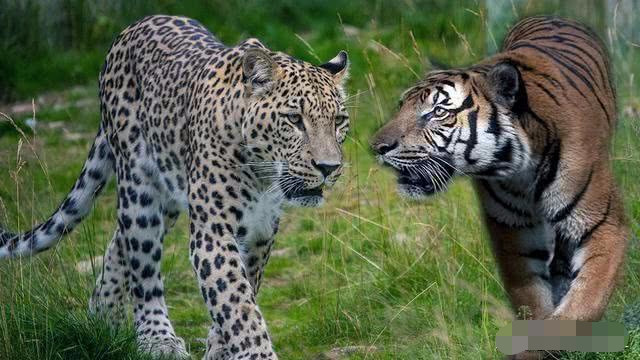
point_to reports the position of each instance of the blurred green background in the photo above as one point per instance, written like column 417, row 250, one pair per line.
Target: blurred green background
column 368, row 276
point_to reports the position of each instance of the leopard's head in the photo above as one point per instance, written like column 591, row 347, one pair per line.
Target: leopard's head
column 294, row 122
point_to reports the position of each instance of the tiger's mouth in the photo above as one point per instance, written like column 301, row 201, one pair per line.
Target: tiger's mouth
column 423, row 178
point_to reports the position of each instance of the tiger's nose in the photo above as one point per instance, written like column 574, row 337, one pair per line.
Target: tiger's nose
column 326, row 168
column 383, row 148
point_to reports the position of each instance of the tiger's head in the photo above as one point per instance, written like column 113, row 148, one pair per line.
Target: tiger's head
column 456, row 122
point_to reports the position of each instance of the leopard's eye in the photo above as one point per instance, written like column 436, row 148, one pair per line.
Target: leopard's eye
column 440, row 112
column 341, row 120
column 295, row 120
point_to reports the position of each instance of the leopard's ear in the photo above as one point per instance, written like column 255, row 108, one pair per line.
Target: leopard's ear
column 260, row 72
column 252, row 43
column 338, row 67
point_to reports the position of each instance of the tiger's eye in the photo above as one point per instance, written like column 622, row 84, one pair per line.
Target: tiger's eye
column 439, row 112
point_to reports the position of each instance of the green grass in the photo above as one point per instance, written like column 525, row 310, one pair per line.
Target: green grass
column 412, row 280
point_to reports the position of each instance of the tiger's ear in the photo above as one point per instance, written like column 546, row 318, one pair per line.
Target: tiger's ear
column 338, row 67
column 260, row 71
column 505, row 81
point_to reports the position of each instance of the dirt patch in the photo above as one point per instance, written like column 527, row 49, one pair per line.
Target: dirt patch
column 281, row 252
column 87, row 266
column 77, row 96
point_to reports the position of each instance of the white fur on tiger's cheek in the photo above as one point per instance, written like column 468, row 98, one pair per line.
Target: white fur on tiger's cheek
column 578, row 259
column 456, row 95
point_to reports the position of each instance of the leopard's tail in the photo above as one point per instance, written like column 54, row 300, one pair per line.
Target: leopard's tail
column 96, row 171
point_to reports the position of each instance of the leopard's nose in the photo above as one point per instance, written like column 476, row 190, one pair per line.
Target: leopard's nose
column 326, row 168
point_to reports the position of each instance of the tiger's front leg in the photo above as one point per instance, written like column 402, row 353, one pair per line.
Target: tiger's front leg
column 523, row 256
column 216, row 214
column 591, row 242
column 522, row 246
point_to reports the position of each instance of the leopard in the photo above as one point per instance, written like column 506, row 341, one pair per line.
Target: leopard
column 233, row 135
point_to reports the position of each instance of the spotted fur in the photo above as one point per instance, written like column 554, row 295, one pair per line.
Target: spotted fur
column 532, row 126
column 229, row 134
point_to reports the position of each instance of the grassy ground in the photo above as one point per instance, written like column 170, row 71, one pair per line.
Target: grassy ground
column 370, row 270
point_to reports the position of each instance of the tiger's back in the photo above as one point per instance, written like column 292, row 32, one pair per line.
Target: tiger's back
column 565, row 68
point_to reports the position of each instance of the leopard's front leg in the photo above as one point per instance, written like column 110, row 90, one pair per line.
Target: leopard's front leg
column 238, row 331
column 255, row 256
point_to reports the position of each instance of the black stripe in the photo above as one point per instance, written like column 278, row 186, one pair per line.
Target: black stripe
column 549, row 78
column 494, row 125
column 439, row 134
column 546, row 91
column 538, row 254
column 466, row 104
column 540, row 27
column 456, row 134
column 525, row 44
column 522, row 25
column 446, row 140
column 569, row 42
column 447, row 82
column 564, row 212
column 560, row 266
column 588, row 72
column 578, row 27
column 505, row 154
column 505, row 205
column 492, row 170
column 548, row 175
column 572, row 69
column 593, row 43
column 582, row 64
column 473, row 137
column 527, row 27
column 512, row 192
column 584, row 239
column 574, row 274
column 542, row 122
column 430, row 141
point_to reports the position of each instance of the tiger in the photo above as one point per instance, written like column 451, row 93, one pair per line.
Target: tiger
column 532, row 127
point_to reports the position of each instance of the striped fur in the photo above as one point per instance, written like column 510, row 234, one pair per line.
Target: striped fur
column 532, row 126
